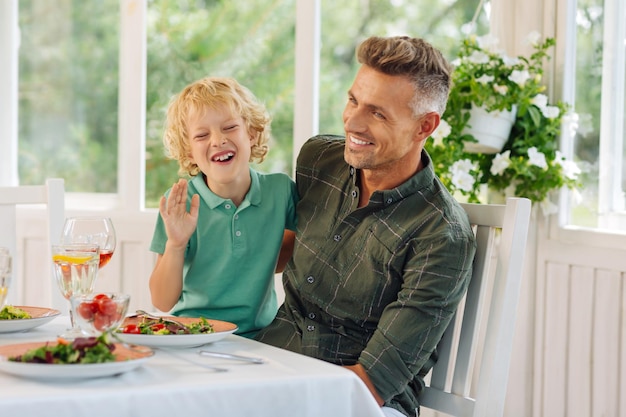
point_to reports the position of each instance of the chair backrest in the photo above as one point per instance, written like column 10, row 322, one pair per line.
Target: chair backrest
column 470, row 377
column 52, row 195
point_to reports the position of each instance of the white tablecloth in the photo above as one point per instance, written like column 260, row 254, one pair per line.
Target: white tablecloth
column 288, row 384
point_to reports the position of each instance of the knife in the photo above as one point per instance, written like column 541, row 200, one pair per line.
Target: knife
column 231, row 356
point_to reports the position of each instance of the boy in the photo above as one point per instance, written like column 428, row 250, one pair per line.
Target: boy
column 219, row 234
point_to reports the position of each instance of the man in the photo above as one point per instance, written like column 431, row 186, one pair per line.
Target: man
column 383, row 253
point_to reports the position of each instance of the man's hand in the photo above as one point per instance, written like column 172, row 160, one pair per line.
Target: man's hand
column 360, row 371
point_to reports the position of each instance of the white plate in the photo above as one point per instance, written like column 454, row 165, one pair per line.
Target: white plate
column 222, row 329
column 127, row 360
column 40, row 316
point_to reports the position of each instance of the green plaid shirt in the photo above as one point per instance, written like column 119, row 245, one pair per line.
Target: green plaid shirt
column 376, row 285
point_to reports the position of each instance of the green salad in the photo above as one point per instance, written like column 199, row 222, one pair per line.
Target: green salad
column 13, row 313
column 163, row 326
column 81, row 350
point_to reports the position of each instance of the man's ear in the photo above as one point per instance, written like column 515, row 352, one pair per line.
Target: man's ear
column 427, row 125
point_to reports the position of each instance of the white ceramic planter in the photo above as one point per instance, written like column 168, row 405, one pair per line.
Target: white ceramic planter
column 491, row 129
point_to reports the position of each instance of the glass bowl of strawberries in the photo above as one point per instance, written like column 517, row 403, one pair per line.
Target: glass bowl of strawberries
column 99, row 313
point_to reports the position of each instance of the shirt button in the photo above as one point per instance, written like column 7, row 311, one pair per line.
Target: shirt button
column 227, row 206
column 311, row 316
column 237, row 233
column 310, row 279
column 353, row 193
column 310, row 328
column 351, row 170
column 337, row 238
column 389, row 200
column 236, row 216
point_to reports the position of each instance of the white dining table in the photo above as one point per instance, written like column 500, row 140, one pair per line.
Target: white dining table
column 171, row 383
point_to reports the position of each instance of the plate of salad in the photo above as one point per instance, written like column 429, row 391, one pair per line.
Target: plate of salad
column 22, row 318
column 161, row 332
column 88, row 357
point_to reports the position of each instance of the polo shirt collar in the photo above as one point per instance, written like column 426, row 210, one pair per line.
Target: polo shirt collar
column 212, row 200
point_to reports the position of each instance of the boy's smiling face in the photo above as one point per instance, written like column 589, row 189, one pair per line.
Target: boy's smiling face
column 221, row 147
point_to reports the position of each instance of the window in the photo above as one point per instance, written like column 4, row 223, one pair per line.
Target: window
column 598, row 90
column 77, row 97
column 68, row 93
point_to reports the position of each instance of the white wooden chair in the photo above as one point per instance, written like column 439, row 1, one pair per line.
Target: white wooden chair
column 52, row 196
column 480, row 338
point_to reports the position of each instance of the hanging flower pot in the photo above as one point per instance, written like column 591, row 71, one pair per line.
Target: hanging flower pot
column 491, row 129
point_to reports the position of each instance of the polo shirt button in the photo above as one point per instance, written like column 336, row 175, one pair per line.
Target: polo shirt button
column 310, row 328
column 389, row 200
column 236, row 216
column 238, row 233
column 311, row 316
column 337, row 238
column 310, row 279
column 353, row 193
column 227, row 206
column 351, row 170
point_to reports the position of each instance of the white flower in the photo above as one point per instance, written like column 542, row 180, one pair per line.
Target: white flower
column 550, row 112
column 487, row 42
column 461, row 177
column 570, row 168
column 509, row 61
column 585, row 126
column 533, row 38
column 442, row 131
column 500, row 89
column 540, row 100
column 463, row 165
column 478, row 57
column 485, row 79
column 537, row 158
column 500, row 162
column 463, row 181
column 548, row 207
column 519, row 77
column 570, row 123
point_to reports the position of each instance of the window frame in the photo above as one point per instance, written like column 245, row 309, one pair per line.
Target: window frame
column 132, row 102
column 612, row 214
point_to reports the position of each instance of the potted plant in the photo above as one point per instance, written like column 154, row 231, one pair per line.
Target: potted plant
column 529, row 163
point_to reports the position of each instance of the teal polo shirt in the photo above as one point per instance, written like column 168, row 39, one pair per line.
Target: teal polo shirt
column 230, row 259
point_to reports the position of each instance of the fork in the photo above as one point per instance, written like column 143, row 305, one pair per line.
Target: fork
column 152, row 316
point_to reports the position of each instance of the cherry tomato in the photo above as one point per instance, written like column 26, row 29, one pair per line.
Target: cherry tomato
column 99, row 297
column 158, row 326
column 132, row 329
column 107, row 306
column 85, row 310
column 101, row 321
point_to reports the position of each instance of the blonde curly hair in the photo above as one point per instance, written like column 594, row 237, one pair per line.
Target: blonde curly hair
column 211, row 92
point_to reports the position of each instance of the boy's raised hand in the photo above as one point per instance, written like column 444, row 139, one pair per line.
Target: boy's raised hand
column 179, row 223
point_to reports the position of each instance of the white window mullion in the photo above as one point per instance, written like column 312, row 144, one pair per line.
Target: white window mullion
column 132, row 105
column 612, row 125
column 9, row 56
column 306, row 107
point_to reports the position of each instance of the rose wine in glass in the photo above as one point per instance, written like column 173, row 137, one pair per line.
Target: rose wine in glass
column 75, row 271
column 96, row 230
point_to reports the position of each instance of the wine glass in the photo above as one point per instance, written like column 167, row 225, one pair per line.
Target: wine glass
column 75, row 271
column 96, row 230
column 5, row 274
